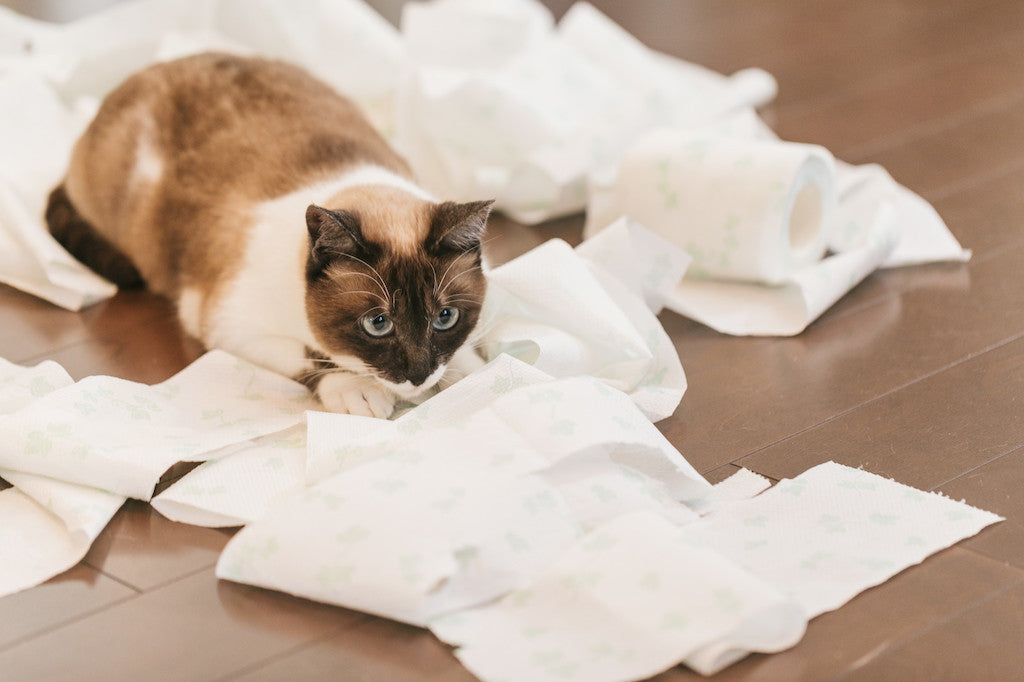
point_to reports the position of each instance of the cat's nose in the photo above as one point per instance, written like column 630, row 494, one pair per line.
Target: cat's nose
column 418, row 370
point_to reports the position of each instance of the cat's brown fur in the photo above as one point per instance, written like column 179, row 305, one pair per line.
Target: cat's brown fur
column 198, row 171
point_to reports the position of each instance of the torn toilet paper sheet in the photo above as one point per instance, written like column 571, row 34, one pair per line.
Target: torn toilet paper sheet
column 48, row 525
column 533, row 419
column 834, row 531
column 463, row 498
column 121, row 436
column 638, row 594
column 922, row 235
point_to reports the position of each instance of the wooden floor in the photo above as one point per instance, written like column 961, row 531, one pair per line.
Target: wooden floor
column 918, row 374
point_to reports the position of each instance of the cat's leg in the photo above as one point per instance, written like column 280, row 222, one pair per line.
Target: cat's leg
column 348, row 393
column 279, row 354
column 339, row 391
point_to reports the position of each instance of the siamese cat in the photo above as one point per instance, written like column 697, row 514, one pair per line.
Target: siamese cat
column 283, row 226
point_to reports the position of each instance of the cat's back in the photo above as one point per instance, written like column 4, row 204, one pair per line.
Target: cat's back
column 197, row 142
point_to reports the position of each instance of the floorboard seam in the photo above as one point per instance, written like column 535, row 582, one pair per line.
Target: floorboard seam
column 64, row 623
column 965, row 184
column 157, row 586
column 812, row 107
column 966, row 358
column 235, row 674
column 865, row 151
column 902, row 642
column 1016, row 448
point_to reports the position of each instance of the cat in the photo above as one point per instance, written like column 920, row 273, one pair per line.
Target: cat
column 282, row 224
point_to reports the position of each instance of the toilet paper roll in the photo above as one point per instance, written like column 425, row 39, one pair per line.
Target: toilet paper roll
column 744, row 210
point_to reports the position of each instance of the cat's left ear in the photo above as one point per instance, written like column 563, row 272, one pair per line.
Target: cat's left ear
column 458, row 227
column 332, row 234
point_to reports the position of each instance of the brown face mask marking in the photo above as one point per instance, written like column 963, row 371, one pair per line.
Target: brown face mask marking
column 352, row 276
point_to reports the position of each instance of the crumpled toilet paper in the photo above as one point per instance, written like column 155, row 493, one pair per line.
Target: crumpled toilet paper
column 603, row 321
column 498, row 102
column 626, row 602
column 48, row 525
column 75, row 451
column 90, row 432
column 36, row 134
column 459, row 500
column 638, row 594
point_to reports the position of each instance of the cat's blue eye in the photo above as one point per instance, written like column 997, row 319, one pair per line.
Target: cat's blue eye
column 378, row 325
column 446, row 319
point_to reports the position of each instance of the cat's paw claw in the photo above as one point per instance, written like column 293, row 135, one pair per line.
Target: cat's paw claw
column 348, row 394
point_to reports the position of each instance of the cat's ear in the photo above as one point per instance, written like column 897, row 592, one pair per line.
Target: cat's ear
column 332, row 235
column 458, row 227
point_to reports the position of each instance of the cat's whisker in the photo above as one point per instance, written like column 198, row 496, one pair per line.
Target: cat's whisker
column 370, row 293
column 380, row 280
column 456, row 277
column 445, row 274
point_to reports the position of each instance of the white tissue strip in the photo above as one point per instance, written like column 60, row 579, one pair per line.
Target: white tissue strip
column 20, row 386
column 627, row 601
column 48, row 525
column 121, row 436
column 742, row 485
column 834, row 531
column 239, row 487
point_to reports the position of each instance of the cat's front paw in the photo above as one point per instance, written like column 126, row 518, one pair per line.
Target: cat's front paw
column 346, row 393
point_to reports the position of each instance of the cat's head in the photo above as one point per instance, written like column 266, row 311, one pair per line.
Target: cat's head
column 394, row 284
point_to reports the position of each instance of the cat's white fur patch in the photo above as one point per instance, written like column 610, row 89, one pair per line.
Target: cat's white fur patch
column 190, row 311
column 407, row 390
column 267, row 298
column 149, row 162
column 264, row 306
column 349, row 394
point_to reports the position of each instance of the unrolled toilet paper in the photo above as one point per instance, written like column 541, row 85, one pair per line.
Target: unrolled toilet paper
column 48, row 525
column 747, row 210
column 638, row 594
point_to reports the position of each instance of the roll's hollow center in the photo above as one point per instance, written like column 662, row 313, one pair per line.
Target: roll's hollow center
column 805, row 218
